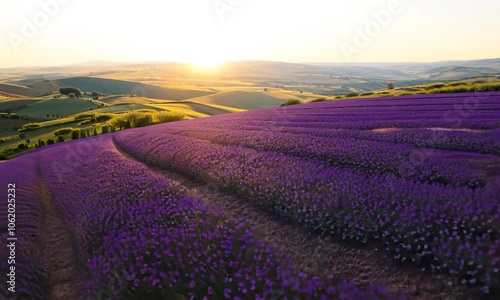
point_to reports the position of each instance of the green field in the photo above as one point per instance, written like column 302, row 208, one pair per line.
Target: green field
column 252, row 99
column 121, row 108
column 63, row 107
column 48, row 114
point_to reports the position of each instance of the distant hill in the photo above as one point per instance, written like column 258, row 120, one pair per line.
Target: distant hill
column 461, row 72
column 180, row 81
column 120, row 87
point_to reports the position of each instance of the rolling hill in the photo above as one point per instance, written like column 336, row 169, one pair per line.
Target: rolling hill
column 242, row 99
column 33, row 89
column 121, row 87
column 61, row 107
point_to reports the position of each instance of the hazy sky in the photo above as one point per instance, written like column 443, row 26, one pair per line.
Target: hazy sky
column 55, row 32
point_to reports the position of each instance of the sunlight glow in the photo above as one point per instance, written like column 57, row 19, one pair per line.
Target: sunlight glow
column 207, row 64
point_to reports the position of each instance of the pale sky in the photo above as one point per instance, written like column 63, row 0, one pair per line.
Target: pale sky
column 208, row 31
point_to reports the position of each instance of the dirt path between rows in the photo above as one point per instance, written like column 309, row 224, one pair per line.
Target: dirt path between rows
column 65, row 274
column 312, row 253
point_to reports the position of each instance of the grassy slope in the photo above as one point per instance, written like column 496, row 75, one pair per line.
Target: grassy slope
column 16, row 103
column 35, row 89
column 242, row 99
column 126, row 99
column 125, row 107
column 18, row 90
column 181, row 108
column 430, row 88
column 9, row 96
column 195, row 110
column 34, row 135
column 7, row 125
column 62, row 107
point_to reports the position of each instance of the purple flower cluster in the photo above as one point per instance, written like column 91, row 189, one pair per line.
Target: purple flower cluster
column 440, row 227
column 142, row 236
column 29, row 267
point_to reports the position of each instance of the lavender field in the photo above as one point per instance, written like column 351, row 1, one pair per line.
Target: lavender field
column 383, row 198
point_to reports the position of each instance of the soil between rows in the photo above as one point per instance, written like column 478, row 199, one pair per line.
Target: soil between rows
column 65, row 272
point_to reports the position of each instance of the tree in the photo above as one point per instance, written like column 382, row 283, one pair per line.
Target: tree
column 63, row 131
column 69, row 90
column 390, row 86
column 22, row 145
column 75, row 134
column 95, row 95
column 72, row 95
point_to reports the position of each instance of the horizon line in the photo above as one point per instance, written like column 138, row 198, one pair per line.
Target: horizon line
column 248, row 60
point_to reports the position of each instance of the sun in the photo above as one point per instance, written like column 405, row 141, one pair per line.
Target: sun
column 207, row 64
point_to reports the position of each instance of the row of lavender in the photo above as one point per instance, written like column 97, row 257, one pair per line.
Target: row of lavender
column 429, row 100
column 144, row 238
column 450, row 230
column 28, row 277
column 487, row 142
column 281, row 116
column 368, row 156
